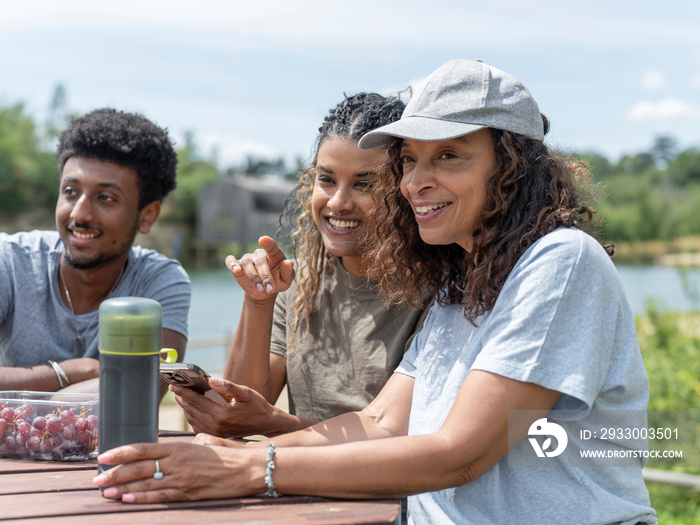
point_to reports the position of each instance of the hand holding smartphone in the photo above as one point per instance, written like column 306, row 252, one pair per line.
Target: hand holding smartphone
column 190, row 376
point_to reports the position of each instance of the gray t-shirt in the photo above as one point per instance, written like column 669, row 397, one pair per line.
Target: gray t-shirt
column 561, row 321
column 35, row 323
column 354, row 344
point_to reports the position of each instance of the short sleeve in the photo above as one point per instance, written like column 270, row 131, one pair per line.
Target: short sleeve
column 151, row 274
column 554, row 323
column 6, row 288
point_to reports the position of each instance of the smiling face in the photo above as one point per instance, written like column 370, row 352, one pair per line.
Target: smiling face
column 342, row 198
column 97, row 212
column 446, row 182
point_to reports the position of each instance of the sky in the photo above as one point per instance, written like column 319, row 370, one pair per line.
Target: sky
column 256, row 77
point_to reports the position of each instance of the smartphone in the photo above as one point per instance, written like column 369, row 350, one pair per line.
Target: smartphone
column 190, row 376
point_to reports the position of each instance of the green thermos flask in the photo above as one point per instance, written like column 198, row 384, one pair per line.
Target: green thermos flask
column 129, row 342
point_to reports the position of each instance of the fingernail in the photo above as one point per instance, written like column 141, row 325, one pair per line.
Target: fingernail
column 100, row 479
column 235, row 268
column 217, row 381
column 110, row 492
column 259, row 287
column 105, row 457
column 268, row 288
column 128, row 498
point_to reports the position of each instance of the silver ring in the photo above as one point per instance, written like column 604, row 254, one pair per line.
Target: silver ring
column 158, row 474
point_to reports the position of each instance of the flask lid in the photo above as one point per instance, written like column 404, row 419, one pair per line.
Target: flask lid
column 130, row 326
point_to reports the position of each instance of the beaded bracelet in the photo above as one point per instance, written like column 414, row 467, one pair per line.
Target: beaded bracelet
column 271, row 489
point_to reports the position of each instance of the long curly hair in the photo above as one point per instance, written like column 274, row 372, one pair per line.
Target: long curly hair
column 350, row 119
column 127, row 139
column 532, row 193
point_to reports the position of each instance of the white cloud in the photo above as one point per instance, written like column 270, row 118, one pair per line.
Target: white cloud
column 664, row 109
column 654, row 80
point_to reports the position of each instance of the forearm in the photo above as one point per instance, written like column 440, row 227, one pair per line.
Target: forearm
column 249, row 358
column 353, row 426
column 42, row 377
column 386, row 416
column 393, row 467
column 281, row 423
column 38, row 377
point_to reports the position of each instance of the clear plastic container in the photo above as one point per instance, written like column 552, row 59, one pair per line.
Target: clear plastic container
column 48, row 425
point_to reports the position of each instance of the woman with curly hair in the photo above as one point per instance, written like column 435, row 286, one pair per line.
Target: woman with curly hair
column 530, row 337
column 324, row 331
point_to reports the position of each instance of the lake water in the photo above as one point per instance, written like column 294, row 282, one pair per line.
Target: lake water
column 216, row 303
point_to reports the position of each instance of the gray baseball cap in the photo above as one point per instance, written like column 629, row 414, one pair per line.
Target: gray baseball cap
column 461, row 97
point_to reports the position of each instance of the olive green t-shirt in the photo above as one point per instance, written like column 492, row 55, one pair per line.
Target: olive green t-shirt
column 353, row 346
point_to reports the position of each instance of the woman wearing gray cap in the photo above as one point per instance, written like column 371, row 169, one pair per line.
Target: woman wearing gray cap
column 529, row 351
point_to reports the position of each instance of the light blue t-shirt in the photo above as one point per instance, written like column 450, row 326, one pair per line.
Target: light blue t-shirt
column 561, row 321
column 35, row 323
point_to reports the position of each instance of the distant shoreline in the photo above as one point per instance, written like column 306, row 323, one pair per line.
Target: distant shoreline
column 683, row 252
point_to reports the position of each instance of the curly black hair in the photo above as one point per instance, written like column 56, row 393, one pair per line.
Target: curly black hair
column 533, row 192
column 127, row 139
column 350, row 119
column 359, row 114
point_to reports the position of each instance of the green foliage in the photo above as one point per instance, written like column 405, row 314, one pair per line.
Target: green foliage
column 193, row 173
column 673, row 505
column 649, row 195
column 670, row 343
column 684, row 170
column 259, row 167
column 28, row 175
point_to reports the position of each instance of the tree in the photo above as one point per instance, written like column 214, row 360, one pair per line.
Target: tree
column 58, row 115
column 258, row 167
column 600, row 166
column 638, row 163
column 28, row 175
column 685, row 168
column 193, row 173
column 663, row 150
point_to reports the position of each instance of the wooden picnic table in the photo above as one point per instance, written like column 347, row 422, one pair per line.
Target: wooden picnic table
column 62, row 492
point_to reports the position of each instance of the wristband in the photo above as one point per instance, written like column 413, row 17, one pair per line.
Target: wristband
column 271, row 489
column 60, row 374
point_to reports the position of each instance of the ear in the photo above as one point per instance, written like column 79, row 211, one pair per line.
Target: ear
column 148, row 216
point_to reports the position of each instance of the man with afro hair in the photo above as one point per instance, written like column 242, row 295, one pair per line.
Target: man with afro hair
column 116, row 168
